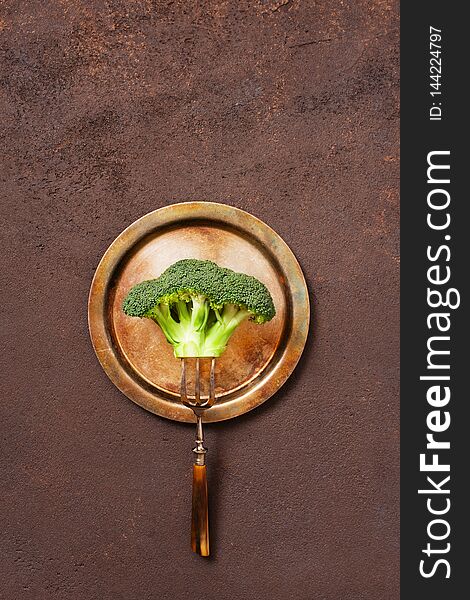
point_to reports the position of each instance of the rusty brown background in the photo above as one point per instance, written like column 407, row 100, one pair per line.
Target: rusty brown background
column 285, row 108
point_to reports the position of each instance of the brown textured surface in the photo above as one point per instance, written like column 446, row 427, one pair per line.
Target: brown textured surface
column 287, row 109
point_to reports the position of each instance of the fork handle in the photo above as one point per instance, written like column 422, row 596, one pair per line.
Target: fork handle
column 200, row 512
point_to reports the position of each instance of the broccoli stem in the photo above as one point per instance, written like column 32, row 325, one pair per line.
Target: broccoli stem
column 226, row 323
column 190, row 335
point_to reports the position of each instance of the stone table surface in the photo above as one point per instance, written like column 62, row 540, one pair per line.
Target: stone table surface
column 287, row 109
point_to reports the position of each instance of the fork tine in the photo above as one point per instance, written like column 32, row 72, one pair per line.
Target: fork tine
column 212, row 384
column 183, row 391
column 197, row 403
column 197, row 385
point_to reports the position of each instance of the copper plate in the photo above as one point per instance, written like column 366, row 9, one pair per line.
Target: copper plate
column 134, row 353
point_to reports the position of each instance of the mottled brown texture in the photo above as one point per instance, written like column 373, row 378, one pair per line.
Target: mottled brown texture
column 288, row 109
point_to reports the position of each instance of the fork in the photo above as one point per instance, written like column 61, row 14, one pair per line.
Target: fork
column 200, row 508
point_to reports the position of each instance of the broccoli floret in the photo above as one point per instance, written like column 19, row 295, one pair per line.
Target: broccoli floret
column 198, row 305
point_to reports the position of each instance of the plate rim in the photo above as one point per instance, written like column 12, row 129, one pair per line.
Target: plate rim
column 171, row 214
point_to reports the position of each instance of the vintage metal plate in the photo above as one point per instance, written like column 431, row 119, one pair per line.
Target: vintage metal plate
column 134, row 353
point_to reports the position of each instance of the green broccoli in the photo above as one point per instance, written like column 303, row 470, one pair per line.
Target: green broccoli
column 198, row 305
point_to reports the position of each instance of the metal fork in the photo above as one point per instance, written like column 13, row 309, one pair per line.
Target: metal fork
column 200, row 512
